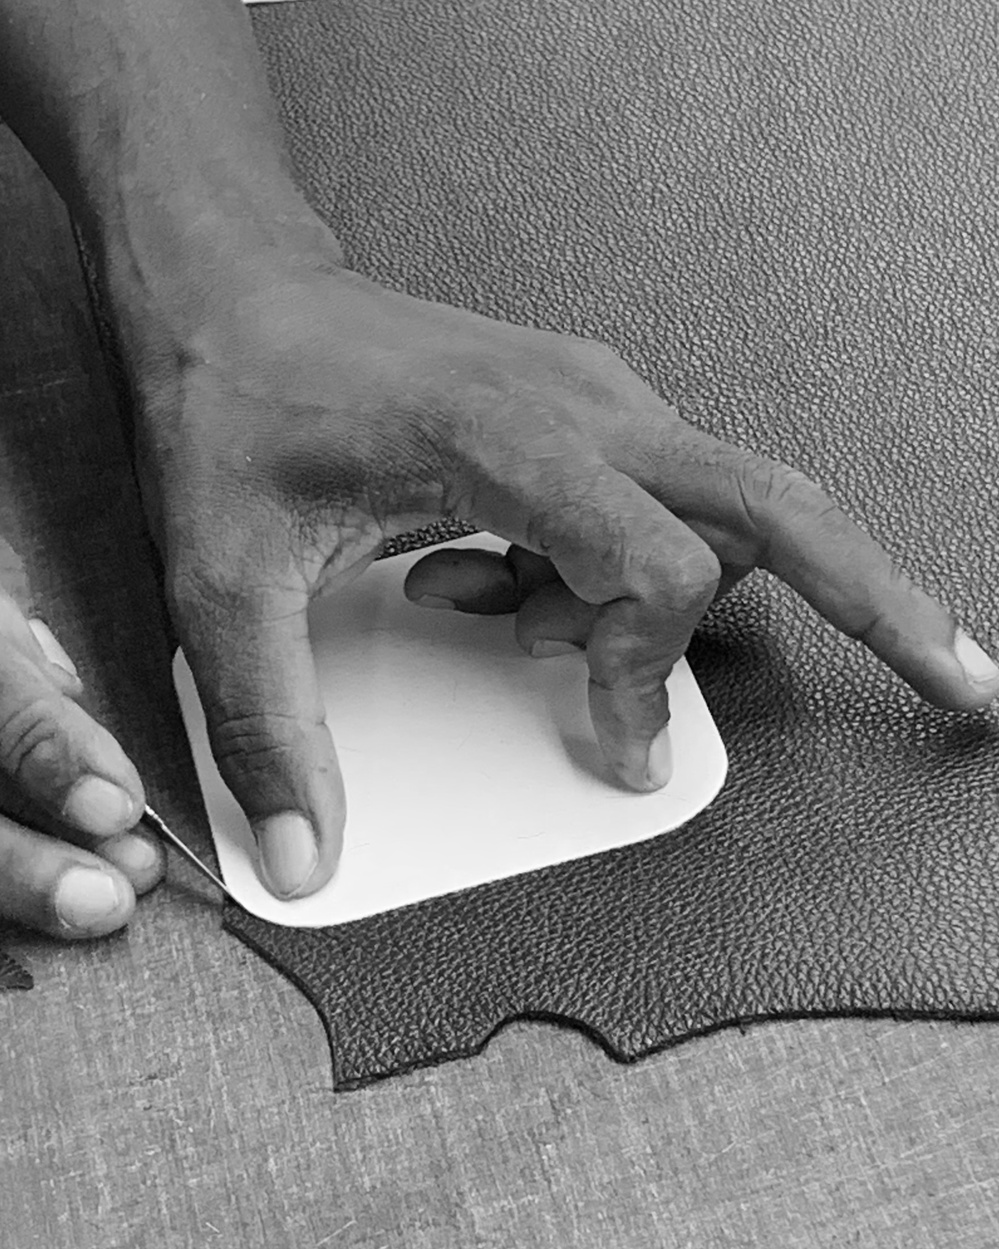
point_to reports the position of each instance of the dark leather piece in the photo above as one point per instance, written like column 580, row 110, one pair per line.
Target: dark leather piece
column 13, row 975
column 785, row 219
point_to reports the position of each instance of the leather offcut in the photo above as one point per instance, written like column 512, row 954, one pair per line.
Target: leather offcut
column 784, row 219
column 13, row 975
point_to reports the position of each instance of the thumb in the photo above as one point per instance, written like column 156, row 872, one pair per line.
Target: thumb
column 249, row 652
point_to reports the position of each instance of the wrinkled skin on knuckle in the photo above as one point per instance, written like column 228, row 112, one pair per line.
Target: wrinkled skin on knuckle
column 625, row 420
column 690, row 585
column 496, row 378
column 620, row 658
column 635, row 641
column 254, row 737
column 431, row 407
column 387, row 456
column 195, row 593
column 558, row 504
column 268, row 569
column 779, row 499
column 32, row 743
column 630, row 421
column 408, row 462
column 372, row 438
column 769, row 488
column 254, row 752
column 868, row 619
column 233, row 558
column 515, row 466
column 628, row 711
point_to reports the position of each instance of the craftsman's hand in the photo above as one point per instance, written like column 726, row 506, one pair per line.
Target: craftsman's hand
column 294, row 415
column 76, row 870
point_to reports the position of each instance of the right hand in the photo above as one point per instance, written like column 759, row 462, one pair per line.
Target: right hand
column 78, row 871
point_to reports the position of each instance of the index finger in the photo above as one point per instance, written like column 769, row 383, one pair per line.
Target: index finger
column 812, row 545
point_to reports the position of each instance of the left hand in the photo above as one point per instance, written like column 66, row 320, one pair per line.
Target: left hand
column 293, row 415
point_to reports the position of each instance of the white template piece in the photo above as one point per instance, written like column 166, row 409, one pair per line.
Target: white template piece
column 464, row 760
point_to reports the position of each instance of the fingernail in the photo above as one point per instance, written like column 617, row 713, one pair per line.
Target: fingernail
column 132, row 853
column 548, row 648
column 288, row 852
column 85, row 896
column 978, row 667
column 98, row 806
column 49, row 643
column 435, row 600
column 660, row 767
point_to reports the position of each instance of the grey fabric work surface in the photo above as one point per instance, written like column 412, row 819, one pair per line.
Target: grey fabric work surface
column 167, row 1088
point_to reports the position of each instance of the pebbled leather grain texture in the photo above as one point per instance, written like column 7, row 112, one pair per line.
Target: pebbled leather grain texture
column 784, row 217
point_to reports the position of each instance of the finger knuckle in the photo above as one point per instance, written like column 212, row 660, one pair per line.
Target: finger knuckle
column 621, row 658
column 771, row 486
column 676, row 582
column 267, row 758
column 193, row 589
column 592, row 368
column 226, row 589
column 256, row 743
column 31, row 740
column 871, row 621
column 691, row 582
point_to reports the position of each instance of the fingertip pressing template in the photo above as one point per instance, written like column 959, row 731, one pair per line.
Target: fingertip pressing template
column 464, row 760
